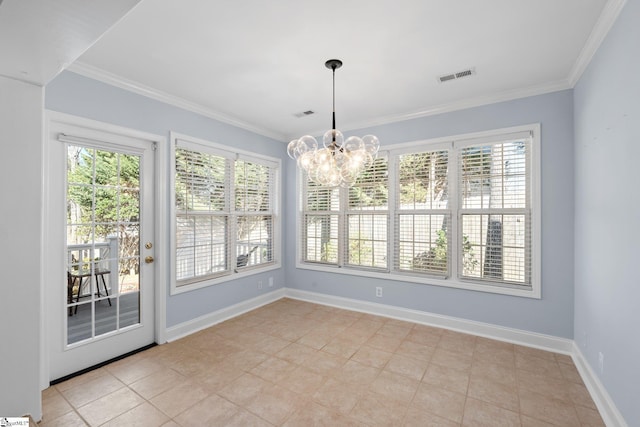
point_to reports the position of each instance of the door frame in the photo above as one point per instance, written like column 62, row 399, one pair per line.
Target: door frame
column 160, row 227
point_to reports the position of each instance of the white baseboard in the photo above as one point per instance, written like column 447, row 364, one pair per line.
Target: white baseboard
column 187, row 328
column 516, row 336
column 608, row 410
column 603, row 401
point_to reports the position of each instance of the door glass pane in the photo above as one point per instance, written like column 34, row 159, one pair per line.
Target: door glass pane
column 129, row 309
column 103, row 243
column 105, row 317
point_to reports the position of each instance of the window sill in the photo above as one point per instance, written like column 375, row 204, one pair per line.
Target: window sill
column 175, row 290
column 448, row 283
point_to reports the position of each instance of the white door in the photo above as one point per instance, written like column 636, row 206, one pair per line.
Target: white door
column 99, row 244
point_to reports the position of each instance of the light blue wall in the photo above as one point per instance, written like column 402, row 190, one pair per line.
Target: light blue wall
column 553, row 314
column 74, row 94
column 607, row 205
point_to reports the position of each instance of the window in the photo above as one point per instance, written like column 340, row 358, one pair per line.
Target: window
column 364, row 221
column 225, row 212
column 423, row 213
column 459, row 212
column 495, row 215
column 321, row 224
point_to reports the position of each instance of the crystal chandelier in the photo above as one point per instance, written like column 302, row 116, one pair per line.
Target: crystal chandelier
column 339, row 161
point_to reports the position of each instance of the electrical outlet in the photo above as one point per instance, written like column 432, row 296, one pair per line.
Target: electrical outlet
column 271, row 282
column 259, row 284
column 378, row 291
column 601, row 362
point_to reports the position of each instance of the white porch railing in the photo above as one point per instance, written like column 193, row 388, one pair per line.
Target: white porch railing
column 103, row 255
column 255, row 251
column 186, row 267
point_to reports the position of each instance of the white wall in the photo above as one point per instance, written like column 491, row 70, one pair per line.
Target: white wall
column 20, row 236
column 607, row 206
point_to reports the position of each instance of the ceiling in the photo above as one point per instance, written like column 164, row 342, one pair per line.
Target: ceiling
column 257, row 64
column 40, row 38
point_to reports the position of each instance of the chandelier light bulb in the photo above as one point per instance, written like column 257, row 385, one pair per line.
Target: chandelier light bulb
column 333, row 138
column 292, row 149
column 306, row 160
column 340, row 161
column 371, row 144
column 324, row 157
column 353, row 143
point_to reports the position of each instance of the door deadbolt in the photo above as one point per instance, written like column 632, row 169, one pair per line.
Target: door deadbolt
column 148, row 245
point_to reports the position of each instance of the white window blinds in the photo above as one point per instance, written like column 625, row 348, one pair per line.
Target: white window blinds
column 202, row 214
column 495, row 211
column 452, row 212
column 254, row 216
column 423, row 216
column 367, row 218
column 320, row 224
column 225, row 218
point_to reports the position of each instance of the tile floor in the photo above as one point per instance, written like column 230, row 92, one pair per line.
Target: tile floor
column 293, row 363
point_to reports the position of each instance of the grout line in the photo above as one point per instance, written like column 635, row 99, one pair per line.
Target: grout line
column 309, row 397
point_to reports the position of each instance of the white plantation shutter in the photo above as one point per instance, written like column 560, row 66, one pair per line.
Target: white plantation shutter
column 254, row 213
column 450, row 212
column 367, row 218
column 321, row 242
column 202, row 215
column 423, row 215
column 348, row 226
column 495, row 210
column 320, row 224
column 224, row 212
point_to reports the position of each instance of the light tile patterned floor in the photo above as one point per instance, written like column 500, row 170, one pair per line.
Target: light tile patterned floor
column 293, row 363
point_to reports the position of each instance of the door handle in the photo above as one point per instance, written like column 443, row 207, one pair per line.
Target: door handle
column 149, row 259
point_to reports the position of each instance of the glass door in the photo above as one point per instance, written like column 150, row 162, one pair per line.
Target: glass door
column 99, row 243
column 103, row 242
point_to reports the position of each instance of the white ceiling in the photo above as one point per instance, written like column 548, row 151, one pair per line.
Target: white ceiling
column 40, row 38
column 255, row 63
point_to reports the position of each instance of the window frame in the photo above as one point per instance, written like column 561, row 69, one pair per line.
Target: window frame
column 231, row 214
column 398, row 212
column 453, row 280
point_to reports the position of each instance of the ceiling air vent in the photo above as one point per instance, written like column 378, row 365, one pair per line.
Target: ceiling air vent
column 304, row 113
column 458, row 75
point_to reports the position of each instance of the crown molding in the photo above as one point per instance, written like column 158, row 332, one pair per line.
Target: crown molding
column 22, row 80
column 605, row 21
column 607, row 18
column 479, row 101
column 135, row 87
column 149, row 92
